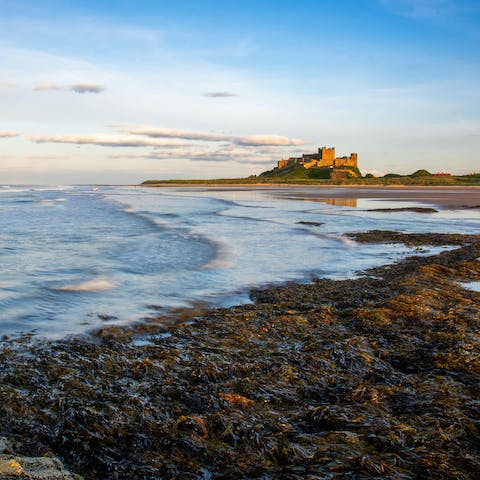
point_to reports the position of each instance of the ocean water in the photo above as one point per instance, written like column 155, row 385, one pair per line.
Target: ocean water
column 73, row 259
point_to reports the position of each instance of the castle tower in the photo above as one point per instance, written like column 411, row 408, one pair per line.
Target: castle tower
column 328, row 154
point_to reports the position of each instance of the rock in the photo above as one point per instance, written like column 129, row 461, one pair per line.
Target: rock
column 5, row 446
column 311, row 224
column 13, row 467
column 405, row 209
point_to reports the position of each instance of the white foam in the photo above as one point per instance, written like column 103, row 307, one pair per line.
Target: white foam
column 475, row 285
column 221, row 259
column 97, row 284
column 13, row 190
column 348, row 242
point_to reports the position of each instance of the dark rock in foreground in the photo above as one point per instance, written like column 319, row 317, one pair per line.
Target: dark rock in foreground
column 376, row 377
column 15, row 467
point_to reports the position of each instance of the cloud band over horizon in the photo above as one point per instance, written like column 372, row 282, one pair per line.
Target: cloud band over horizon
column 75, row 88
column 8, row 134
column 252, row 140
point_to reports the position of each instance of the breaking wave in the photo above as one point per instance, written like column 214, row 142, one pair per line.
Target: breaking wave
column 96, row 284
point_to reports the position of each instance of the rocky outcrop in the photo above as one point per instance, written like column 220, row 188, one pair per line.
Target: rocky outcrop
column 16, row 467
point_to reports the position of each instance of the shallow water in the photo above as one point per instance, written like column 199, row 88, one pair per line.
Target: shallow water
column 73, row 259
column 474, row 286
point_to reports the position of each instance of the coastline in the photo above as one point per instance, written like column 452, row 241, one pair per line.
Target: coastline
column 375, row 376
column 443, row 196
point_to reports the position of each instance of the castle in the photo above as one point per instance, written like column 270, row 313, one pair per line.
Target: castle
column 325, row 158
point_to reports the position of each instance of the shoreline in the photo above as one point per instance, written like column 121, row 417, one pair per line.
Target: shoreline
column 448, row 197
column 337, row 378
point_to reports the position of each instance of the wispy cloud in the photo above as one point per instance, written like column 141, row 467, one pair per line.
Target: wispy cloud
column 266, row 140
column 204, row 155
column 253, row 140
column 158, row 132
column 173, row 144
column 105, row 140
column 87, row 88
column 76, row 88
column 8, row 85
column 220, row 94
column 8, row 134
column 47, row 87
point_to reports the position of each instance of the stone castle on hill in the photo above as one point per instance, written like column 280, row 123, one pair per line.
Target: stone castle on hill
column 325, row 158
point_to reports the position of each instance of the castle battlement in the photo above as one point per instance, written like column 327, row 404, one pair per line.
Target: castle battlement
column 324, row 158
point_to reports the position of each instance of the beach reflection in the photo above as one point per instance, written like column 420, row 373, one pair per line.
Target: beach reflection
column 337, row 202
column 340, row 202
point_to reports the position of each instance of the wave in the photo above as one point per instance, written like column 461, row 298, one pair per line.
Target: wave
column 348, row 242
column 96, row 284
column 222, row 254
column 6, row 189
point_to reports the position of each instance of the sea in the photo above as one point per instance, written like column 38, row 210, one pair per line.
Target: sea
column 76, row 258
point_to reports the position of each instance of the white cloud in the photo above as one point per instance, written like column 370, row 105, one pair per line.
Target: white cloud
column 48, row 87
column 157, row 132
column 206, row 155
column 77, row 88
column 87, row 88
column 8, row 85
column 105, row 140
column 253, row 140
column 220, row 94
column 8, row 134
column 265, row 140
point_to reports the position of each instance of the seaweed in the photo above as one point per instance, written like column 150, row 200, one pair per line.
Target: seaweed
column 373, row 377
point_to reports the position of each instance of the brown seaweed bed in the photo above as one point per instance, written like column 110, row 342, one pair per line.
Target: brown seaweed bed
column 375, row 377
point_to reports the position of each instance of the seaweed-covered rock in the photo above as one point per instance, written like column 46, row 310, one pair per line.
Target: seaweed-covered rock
column 13, row 467
column 374, row 377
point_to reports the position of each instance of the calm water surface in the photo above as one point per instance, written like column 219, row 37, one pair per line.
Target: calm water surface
column 73, row 259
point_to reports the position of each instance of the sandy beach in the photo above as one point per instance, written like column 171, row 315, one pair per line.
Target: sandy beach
column 442, row 197
column 446, row 197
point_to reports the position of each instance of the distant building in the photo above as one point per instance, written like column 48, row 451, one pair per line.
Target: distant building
column 442, row 174
column 325, row 158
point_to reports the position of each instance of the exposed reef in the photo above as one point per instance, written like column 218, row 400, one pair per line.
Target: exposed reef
column 404, row 209
column 310, row 224
column 15, row 467
column 375, row 377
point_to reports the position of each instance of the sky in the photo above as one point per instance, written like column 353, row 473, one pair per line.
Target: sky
column 123, row 91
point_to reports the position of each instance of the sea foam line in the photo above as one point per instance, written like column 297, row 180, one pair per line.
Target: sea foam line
column 96, row 284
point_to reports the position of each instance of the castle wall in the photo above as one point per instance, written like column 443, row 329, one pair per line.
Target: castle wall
column 326, row 163
column 351, row 161
column 328, row 154
column 325, row 158
column 287, row 163
column 311, row 156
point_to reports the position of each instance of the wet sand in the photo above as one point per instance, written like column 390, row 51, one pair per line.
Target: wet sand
column 444, row 197
column 441, row 197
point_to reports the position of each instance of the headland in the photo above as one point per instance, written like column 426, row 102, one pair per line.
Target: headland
column 325, row 168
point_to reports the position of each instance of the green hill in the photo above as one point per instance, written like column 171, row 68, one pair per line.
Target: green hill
column 421, row 173
column 300, row 172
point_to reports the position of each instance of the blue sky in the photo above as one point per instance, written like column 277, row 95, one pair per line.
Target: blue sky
column 120, row 91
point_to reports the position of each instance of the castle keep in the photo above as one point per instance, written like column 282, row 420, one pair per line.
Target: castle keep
column 324, row 158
